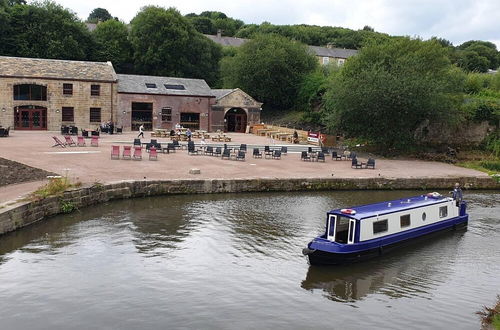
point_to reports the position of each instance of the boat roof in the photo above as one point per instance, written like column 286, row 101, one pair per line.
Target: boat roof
column 397, row 205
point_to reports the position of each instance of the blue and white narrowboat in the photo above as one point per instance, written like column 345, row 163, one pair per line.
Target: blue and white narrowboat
column 367, row 231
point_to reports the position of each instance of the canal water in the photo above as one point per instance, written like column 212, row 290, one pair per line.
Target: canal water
column 234, row 261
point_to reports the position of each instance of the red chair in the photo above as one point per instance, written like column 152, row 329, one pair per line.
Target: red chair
column 153, row 154
column 94, row 141
column 81, row 141
column 69, row 141
column 137, row 153
column 127, row 152
column 59, row 143
column 115, row 152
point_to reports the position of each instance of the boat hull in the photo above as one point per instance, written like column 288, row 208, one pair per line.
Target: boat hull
column 322, row 256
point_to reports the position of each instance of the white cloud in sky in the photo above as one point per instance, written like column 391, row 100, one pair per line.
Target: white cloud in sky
column 455, row 20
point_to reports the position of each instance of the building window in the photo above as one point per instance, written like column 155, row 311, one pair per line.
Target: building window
column 443, row 211
column 380, row 226
column 404, row 220
column 150, row 85
column 68, row 114
column 166, row 114
column 326, row 60
column 95, row 115
column 340, row 61
column 67, row 89
column 28, row 92
column 178, row 87
column 95, row 90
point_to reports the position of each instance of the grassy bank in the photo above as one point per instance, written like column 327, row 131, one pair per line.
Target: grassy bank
column 490, row 317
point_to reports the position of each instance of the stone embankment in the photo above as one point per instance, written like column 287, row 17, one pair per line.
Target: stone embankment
column 24, row 213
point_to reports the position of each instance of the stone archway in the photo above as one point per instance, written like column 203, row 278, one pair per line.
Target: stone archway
column 235, row 120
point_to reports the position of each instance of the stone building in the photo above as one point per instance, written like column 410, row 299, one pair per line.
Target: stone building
column 162, row 102
column 42, row 94
column 234, row 110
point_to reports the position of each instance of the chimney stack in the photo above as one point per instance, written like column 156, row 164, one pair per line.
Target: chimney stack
column 329, row 45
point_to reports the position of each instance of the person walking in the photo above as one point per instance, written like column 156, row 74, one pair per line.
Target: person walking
column 141, row 131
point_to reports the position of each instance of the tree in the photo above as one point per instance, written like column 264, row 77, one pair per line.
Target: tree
column 165, row 43
column 47, row 30
column 484, row 49
column 99, row 15
column 471, row 61
column 385, row 92
column 112, row 44
column 270, row 68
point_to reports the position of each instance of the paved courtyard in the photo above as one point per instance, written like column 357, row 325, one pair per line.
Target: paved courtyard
column 94, row 164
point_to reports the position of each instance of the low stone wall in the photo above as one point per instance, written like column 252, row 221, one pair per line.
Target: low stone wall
column 20, row 215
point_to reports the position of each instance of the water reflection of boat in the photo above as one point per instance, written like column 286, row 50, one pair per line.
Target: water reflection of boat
column 367, row 231
column 410, row 271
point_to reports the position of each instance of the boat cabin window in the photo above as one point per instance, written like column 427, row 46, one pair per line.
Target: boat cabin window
column 404, row 220
column 443, row 211
column 342, row 229
column 424, row 216
column 380, row 226
column 351, row 231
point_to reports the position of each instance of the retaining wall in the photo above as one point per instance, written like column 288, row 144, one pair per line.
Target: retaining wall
column 25, row 213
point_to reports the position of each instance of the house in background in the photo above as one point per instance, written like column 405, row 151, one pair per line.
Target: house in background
column 42, row 94
column 325, row 55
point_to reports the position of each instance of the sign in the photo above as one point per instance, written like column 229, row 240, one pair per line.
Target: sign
column 313, row 137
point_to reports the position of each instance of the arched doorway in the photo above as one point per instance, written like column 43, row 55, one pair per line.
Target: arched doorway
column 235, row 120
column 30, row 117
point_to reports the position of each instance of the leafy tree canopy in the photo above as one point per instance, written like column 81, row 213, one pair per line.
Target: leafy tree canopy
column 209, row 22
column 99, row 15
column 385, row 92
column 270, row 68
column 112, row 44
column 46, row 30
column 483, row 49
column 165, row 43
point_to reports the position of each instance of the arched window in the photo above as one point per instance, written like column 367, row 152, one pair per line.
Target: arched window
column 30, row 92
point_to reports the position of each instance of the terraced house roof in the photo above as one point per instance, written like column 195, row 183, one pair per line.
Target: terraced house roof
column 136, row 84
column 22, row 67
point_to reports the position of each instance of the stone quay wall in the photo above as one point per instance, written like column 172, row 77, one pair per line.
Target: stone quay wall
column 25, row 213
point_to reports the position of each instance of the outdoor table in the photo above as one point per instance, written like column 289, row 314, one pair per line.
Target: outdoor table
column 269, row 133
column 262, row 131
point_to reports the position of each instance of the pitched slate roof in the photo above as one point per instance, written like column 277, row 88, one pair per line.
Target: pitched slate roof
column 333, row 52
column 220, row 93
column 226, row 41
column 56, row 69
column 136, row 84
column 316, row 50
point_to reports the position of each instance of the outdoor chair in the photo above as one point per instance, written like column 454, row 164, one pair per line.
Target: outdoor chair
column 73, row 130
column 64, row 130
column 119, row 130
column 115, row 152
column 2, row 132
column 240, row 155
column 356, row 164
column 127, row 152
column 268, row 152
column 257, row 153
column 58, row 143
column 192, row 149
column 153, row 153
column 209, row 150
column 170, row 147
column 176, row 144
column 304, row 156
column 226, row 154
column 284, row 150
column 69, row 141
column 6, row 133
column 94, row 133
column 336, row 156
column 277, row 154
column 94, row 141
column 137, row 153
column 80, row 141
column 309, row 150
column 370, row 163
column 85, row 133
column 243, row 147
column 351, row 155
column 218, row 151
column 321, row 156
column 137, row 142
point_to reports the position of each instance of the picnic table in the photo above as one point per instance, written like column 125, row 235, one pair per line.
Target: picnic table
column 262, row 131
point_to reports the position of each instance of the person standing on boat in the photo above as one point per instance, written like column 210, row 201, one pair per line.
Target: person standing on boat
column 457, row 193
